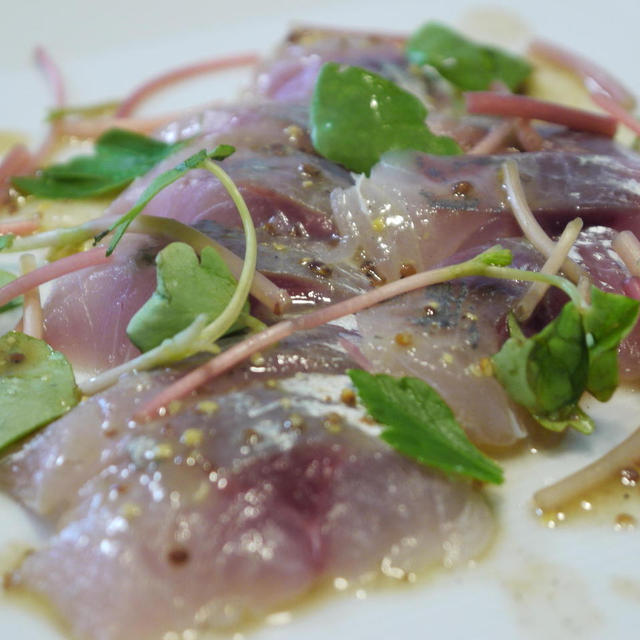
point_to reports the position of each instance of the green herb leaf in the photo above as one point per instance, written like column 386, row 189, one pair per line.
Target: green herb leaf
column 573, row 417
column 467, row 65
column 419, row 424
column 186, row 289
column 6, row 240
column 357, row 115
column 577, row 352
column 5, row 278
column 495, row 257
column 120, row 156
column 608, row 320
column 546, row 373
column 158, row 184
column 36, row 386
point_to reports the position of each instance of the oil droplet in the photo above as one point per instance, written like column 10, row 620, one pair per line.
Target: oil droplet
column 341, row 584
column 624, row 522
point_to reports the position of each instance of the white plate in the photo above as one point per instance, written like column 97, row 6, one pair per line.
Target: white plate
column 578, row 581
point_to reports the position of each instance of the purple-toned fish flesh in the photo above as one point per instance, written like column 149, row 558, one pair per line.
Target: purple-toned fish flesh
column 235, row 506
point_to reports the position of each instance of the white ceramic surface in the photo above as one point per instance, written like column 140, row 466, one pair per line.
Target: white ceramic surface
column 581, row 580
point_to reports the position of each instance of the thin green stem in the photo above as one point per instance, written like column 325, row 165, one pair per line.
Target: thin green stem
column 226, row 319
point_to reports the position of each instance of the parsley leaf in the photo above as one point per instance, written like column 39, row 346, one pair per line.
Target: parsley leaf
column 186, row 289
column 467, row 65
column 419, row 424
column 357, row 115
column 36, row 386
column 120, row 156
column 120, row 226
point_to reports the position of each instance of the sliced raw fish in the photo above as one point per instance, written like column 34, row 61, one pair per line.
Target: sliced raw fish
column 230, row 510
column 287, row 193
column 87, row 312
column 34, row 472
column 290, row 74
column 417, row 210
column 446, row 334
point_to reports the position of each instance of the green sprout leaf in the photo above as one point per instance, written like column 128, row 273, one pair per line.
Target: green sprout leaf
column 419, row 424
column 6, row 240
column 547, row 372
column 577, row 352
column 36, row 386
column 357, row 115
column 157, row 185
column 465, row 64
column 607, row 321
column 120, row 156
column 186, row 289
column 5, row 278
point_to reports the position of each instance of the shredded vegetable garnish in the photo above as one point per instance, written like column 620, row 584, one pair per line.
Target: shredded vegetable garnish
column 528, row 138
column 581, row 482
column 94, row 127
column 618, row 112
column 526, row 306
column 497, row 137
column 54, row 77
column 528, row 223
column 129, row 104
column 32, row 306
column 627, row 246
column 50, row 272
column 502, row 104
column 19, row 227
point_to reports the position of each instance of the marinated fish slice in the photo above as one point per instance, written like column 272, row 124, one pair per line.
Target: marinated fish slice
column 418, row 209
column 209, row 516
column 312, row 272
column 446, row 335
column 47, row 473
column 290, row 74
column 87, row 312
column 287, row 193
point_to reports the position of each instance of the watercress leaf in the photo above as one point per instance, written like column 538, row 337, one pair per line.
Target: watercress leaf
column 608, row 320
column 419, row 424
column 187, row 287
column 118, row 158
column 5, row 278
column 467, row 65
column 574, row 417
column 546, row 373
column 160, row 182
column 6, row 240
column 357, row 115
column 36, row 386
